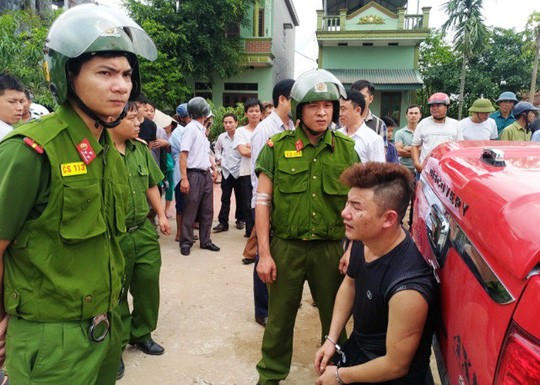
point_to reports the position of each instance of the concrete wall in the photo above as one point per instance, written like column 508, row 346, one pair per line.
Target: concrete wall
column 282, row 42
column 368, row 57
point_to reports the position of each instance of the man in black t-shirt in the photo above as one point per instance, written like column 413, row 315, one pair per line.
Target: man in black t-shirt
column 389, row 288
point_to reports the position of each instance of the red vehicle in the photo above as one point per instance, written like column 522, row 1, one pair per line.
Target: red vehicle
column 477, row 222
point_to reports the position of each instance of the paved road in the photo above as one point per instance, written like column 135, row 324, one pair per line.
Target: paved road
column 206, row 321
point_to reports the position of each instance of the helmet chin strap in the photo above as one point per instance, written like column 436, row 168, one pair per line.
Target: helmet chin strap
column 91, row 114
column 439, row 119
column 314, row 133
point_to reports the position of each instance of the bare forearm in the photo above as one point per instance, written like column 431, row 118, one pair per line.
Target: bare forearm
column 183, row 163
column 380, row 369
column 262, row 225
column 415, row 155
column 342, row 307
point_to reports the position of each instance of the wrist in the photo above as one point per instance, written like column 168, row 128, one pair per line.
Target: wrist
column 338, row 378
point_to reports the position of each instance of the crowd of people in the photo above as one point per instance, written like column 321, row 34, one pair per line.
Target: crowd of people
column 321, row 185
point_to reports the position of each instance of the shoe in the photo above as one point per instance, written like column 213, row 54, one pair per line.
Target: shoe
column 210, row 247
column 195, row 237
column 184, row 250
column 261, row 321
column 248, row 261
column 150, row 347
column 121, row 369
column 240, row 225
column 246, row 235
column 220, row 227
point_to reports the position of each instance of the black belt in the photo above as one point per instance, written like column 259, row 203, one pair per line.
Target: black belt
column 200, row 171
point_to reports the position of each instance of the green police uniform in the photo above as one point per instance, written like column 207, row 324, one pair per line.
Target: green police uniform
column 307, row 231
column 64, row 265
column 140, row 247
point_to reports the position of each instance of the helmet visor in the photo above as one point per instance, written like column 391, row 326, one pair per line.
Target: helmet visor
column 76, row 29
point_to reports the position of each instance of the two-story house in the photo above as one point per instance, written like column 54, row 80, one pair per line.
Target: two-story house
column 269, row 41
column 374, row 40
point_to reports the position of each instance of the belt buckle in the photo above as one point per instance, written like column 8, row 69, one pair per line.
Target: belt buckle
column 100, row 325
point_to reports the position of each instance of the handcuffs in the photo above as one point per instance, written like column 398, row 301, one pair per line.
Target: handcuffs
column 99, row 327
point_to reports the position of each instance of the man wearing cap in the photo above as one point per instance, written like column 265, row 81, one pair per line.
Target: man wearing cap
column 59, row 234
column 504, row 117
column 525, row 114
column 479, row 126
column 299, row 198
column 176, row 140
column 434, row 130
column 197, row 183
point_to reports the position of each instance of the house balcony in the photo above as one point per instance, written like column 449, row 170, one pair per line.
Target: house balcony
column 258, row 51
column 356, row 28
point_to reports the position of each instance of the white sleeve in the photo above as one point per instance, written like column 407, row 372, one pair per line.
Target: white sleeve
column 188, row 139
column 494, row 131
column 239, row 138
column 417, row 137
column 219, row 147
column 377, row 148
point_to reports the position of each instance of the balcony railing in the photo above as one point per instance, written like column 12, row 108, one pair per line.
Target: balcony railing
column 334, row 23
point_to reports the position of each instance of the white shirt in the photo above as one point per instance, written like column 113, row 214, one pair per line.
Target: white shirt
column 4, row 129
column 368, row 144
column 479, row 131
column 197, row 145
column 269, row 127
column 243, row 136
column 229, row 156
column 176, row 139
column 429, row 134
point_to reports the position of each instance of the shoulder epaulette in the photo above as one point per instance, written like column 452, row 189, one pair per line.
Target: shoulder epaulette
column 142, row 141
column 32, row 144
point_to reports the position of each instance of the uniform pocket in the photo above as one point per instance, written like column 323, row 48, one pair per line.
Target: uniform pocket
column 82, row 215
column 293, row 176
column 331, row 183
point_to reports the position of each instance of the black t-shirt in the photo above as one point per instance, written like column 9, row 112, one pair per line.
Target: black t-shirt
column 403, row 268
column 148, row 130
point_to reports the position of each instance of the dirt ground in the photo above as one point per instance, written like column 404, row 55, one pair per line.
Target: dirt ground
column 206, row 321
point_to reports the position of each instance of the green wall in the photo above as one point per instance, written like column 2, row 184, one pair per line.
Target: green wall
column 368, row 57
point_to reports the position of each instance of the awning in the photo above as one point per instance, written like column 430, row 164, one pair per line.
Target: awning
column 382, row 79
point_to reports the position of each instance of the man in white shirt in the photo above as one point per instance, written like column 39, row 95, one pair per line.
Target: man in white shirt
column 12, row 100
column 242, row 142
column 434, row 130
column 479, row 126
column 368, row 145
column 229, row 158
column 197, row 183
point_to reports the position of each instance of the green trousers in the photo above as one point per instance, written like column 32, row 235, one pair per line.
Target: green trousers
column 61, row 353
column 296, row 261
column 143, row 263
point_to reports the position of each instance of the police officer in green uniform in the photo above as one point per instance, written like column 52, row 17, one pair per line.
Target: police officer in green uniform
column 140, row 244
column 301, row 198
column 63, row 194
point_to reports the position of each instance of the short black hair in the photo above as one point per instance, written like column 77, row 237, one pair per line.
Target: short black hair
column 74, row 65
column 389, row 121
column 282, row 88
column 252, row 102
column 359, row 85
column 357, row 99
column 231, row 115
column 414, row 106
column 8, row 82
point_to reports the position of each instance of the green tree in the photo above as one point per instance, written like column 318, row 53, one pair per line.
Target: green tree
column 466, row 21
column 533, row 28
column 22, row 38
column 191, row 36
